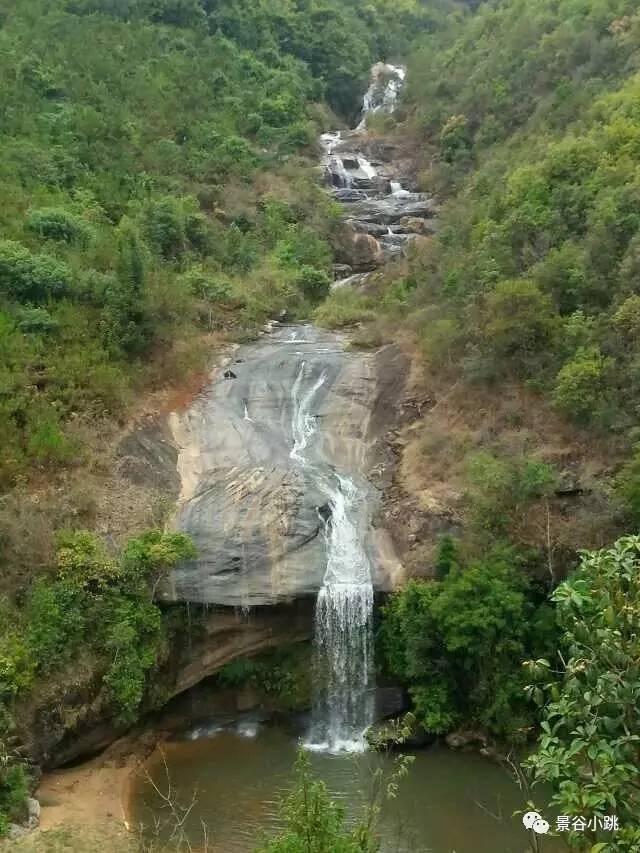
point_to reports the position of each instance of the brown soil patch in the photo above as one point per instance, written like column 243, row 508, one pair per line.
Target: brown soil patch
column 455, row 419
column 89, row 795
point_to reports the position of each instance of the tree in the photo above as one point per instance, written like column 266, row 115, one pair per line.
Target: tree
column 31, row 278
column 125, row 320
column 457, row 644
column 314, row 823
column 58, row 224
column 447, row 557
column 628, row 486
column 314, row 283
column 589, row 748
column 520, row 323
column 455, row 138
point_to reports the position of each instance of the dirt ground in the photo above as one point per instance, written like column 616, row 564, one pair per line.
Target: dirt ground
column 89, row 795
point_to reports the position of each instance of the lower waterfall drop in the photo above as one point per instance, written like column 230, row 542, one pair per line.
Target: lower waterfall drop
column 343, row 635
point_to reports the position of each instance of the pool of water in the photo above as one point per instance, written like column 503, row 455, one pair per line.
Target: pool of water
column 450, row 802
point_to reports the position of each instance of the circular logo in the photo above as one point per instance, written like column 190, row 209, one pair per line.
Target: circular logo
column 534, row 821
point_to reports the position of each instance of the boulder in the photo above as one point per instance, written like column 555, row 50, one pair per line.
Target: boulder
column 348, row 195
column 257, row 516
column 373, row 228
column 33, row 810
column 360, row 251
column 16, row 831
column 341, row 271
column 391, row 209
column 413, row 225
column 467, row 739
column 355, row 281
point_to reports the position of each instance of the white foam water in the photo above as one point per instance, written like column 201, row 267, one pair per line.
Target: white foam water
column 343, row 708
column 382, row 94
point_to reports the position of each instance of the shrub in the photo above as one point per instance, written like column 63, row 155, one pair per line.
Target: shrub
column 36, row 321
column 100, row 605
column 58, row 224
column 520, row 323
column 581, row 385
column 284, row 674
column 457, row 644
column 628, row 486
column 47, row 443
column 14, row 790
column 314, row 283
column 207, row 286
column 31, row 278
column 313, row 821
column 455, row 138
column 588, row 746
column 165, row 227
column 501, row 487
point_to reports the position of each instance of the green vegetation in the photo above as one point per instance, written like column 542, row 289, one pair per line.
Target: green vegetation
column 314, row 823
column 283, row 674
column 528, row 118
column 154, row 192
column 96, row 608
column 458, row 642
column 589, row 745
column 14, row 790
column 95, row 604
column 159, row 195
column 344, row 307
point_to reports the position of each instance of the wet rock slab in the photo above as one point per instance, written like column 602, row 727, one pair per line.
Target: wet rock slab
column 255, row 513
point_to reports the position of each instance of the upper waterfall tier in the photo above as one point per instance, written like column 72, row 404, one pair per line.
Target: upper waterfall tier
column 382, row 94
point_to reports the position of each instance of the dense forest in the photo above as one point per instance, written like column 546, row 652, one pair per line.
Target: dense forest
column 159, row 197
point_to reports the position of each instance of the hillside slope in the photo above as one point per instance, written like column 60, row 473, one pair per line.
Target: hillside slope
column 526, row 306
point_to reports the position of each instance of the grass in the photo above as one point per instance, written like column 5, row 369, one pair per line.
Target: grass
column 344, row 307
column 110, row 838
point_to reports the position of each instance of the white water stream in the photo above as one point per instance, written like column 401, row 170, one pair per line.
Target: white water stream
column 344, row 704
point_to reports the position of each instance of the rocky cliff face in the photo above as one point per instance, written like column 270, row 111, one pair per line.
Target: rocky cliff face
column 70, row 718
column 258, row 516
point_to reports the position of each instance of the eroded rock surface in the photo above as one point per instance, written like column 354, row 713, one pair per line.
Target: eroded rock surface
column 257, row 515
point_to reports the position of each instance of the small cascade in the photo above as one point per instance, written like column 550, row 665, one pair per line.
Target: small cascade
column 382, row 94
column 366, row 168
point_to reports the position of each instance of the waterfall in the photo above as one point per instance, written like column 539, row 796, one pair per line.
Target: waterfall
column 343, row 635
column 343, row 632
column 343, row 706
column 382, row 94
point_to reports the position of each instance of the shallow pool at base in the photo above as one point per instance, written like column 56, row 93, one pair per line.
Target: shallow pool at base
column 449, row 802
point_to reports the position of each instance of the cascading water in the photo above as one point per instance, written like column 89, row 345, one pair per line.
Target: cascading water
column 382, row 94
column 343, row 638
column 343, row 706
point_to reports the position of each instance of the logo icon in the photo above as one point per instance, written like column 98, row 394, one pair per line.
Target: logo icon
column 534, row 821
